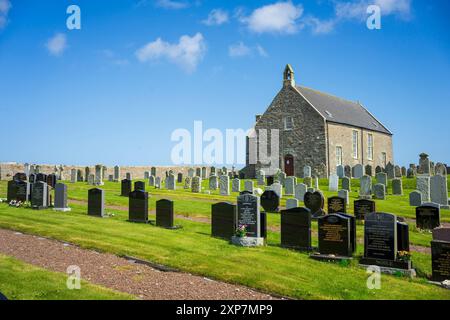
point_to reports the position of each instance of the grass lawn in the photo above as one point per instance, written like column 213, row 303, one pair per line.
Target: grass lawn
column 21, row 281
column 271, row 269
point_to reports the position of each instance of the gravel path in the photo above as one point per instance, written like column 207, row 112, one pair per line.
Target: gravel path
column 118, row 273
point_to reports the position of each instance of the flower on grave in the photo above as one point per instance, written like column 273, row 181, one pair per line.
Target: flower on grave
column 241, row 231
column 403, row 256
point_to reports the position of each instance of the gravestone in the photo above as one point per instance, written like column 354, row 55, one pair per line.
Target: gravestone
column 236, row 185
column 198, row 172
column 40, row 177
column 423, row 185
column 96, row 202
column 390, row 171
column 128, row 176
column 440, row 254
column 224, row 185
column 358, row 171
column 125, row 188
column 170, row 182
column 315, row 202
column 402, row 236
column 344, row 195
column 410, row 173
column 61, row 198
column 308, row 182
column 403, row 169
column 187, row 183
column 196, row 184
column 39, row 195
column 146, row 175
column 269, row 180
column 333, row 185
column 212, row 171
column 51, row 180
column 278, row 188
column 87, row 173
column 291, row 203
column 248, row 215
column 336, row 205
column 79, row 175
column 340, row 171
column 296, row 229
column 165, row 214
column 334, row 235
column 158, row 183
column 289, row 185
column 116, row 173
column 379, row 191
column 415, row 198
column 306, row 171
column 111, row 178
column 261, row 177
column 315, row 181
column 270, row 201
column 99, row 175
column 439, row 190
column 428, row 216
column 139, row 185
column 153, row 171
column 73, row 175
column 397, row 172
column 213, row 183
column 179, row 177
column 346, row 184
column 204, row 173
column 223, row 220
column 300, row 190
column 23, row 190
column 91, row 179
column 397, row 187
column 32, row 178
column 440, row 169
column 138, row 206
column 368, row 169
column 348, row 171
column 424, row 165
column 151, row 181
column 362, row 207
column 365, row 189
column 382, row 178
column 378, row 169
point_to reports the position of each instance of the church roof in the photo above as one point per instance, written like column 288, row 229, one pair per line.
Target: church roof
column 338, row 110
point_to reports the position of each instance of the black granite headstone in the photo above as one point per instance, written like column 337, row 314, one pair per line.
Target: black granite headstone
column 180, row 178
column 315, row 201
column 337, row 204
column 334, row 235
column 39, row 195
column 32, row 178
column 164, row 213
column 96, row 202
column 125, row 188
column 22, row 191
column 248, row 214
column 139, row 185
column 51, row 180
column 12, row 190
column 353, row 238
column 223, row 220
column 296, row 228
column 138, row 206
column 428, row 217
column 263, row 224
column 363, row 207
column 269, row 180
column 440, row 260
column 41, row 177
column 270, row 201
column 20, row 176
column 380, row 236
column 402, row 236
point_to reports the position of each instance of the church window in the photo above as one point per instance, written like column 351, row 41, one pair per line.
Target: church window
column 355, row 144
column 288, row 123
column 370, row 146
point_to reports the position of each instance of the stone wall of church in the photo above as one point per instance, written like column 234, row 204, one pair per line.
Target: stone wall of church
column 306, row 141
column 341, row 135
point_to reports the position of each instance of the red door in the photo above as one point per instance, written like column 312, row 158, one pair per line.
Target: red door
column 289, row 165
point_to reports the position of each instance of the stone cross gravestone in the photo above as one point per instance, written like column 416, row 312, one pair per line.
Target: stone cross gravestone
column 138, row 206
column 296, row 228
column 61, row 198
column 223, row 220
column 96, row 202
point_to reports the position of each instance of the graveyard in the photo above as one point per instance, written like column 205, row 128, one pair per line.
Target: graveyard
column 185, row 243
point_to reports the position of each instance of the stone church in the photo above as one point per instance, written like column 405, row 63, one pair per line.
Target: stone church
column 318, row 130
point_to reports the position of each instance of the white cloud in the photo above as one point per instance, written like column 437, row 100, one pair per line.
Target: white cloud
column 239, row 50
column 171, row 4
column 5, row 6
column 320, row 26
column 57, row 44
column 187, row 53
column 280, row 17
column 216, row 17
column 112, row 57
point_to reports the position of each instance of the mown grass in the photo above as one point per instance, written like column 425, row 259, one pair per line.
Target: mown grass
column 21, row 281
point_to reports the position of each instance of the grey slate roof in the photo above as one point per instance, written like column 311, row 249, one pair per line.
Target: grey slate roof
column 338, row 110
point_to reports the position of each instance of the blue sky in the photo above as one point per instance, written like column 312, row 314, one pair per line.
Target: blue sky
column 114, row 91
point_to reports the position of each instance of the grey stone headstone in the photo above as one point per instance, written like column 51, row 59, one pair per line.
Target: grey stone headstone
column 277, row 188
column 128, row 176
column 204, row 173
column 91, row 179
column 340, row 171
column 379, row 191
column 261, row 177
column 344, row 195
column 333, row 183
column 306, row 171
column 87, row 172
column 116, row 173
column 358, row 171
column 248, row 186
column 308, row 182
column 61, row 198
column 151, row 181
column 398, row 172
column 111, row 178
column 403, row 169
column 171, row 183
column 424, row 165
column 236, row 185
column 146, row 175
column 73, row 175
column 415, row 198
column 289, row 185
column 187, row 183
column 369, row 170
column 213, row 183
column 153, row 171
column 382, row 178
column 291, row 203
column 300, row 190
column 440, row 169
column 365, row 190
column 99, row 175
column 315, row 181
column 346, row 184
column 157, row 183
column 423, row 185
column 224, row 185
column 191, row 172
column 390, row 171
column 196, row 184
column 198, row 172
column 348, row 171
column 397, row 187
column 439, row 190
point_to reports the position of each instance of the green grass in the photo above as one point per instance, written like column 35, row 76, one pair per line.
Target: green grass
column 21, row 281
column 192, row 249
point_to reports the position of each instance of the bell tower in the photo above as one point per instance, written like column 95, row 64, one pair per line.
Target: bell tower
column 288, row 76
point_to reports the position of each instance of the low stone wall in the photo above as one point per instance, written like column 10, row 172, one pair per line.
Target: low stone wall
column 8, row 170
